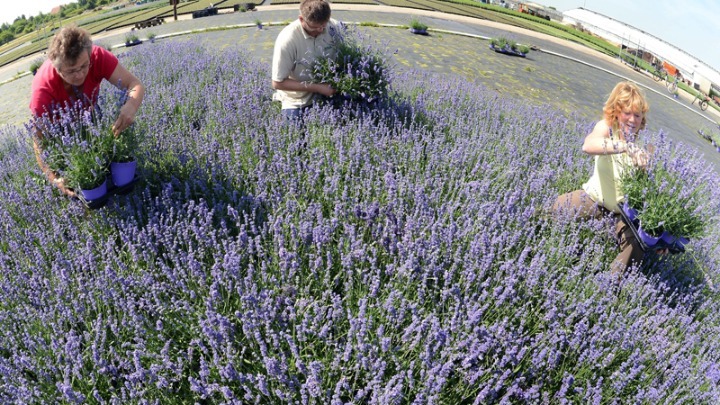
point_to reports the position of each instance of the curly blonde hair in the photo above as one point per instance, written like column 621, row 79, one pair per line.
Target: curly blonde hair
column 625, row 95
column 68, row 44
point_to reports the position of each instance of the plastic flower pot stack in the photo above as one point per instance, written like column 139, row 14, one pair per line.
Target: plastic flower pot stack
column 662, row 212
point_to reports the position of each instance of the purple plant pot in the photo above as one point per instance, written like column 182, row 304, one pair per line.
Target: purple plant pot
column 122, row 173
column 682, row 241
column 95, row 193
column 647, row 238
column 667, row 238
column 629, row 211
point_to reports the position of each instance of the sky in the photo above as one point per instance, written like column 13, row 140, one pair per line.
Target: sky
column 11, row 9
column 688, row 24
column 691, row 25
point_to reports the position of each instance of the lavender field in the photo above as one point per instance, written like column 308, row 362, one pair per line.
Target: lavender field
column 401, row 256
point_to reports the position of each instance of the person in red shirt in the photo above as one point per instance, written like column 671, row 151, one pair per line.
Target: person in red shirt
column 73, row 72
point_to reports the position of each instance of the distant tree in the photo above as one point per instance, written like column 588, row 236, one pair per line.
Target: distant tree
column 19, row 25
column 6, row 36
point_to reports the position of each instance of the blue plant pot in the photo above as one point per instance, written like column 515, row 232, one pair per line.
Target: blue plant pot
column 122, row 173
column 648, row 239
column 95, row 193
column 629, row 211
column 667, row 238
column 682, row 241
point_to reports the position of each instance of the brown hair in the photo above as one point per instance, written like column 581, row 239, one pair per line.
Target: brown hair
column 315, row 11
column 625, row 95
column 68, row 44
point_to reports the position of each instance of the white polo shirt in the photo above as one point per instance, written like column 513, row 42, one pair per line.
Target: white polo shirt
column 293, row 56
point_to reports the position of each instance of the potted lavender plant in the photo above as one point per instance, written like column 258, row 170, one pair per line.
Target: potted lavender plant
column 665, row 209
column 417, row 27
column 123, row 164
column 35, row 65
column 132, row 40
column 508, row 47
column 86, row 171
column 358, row 72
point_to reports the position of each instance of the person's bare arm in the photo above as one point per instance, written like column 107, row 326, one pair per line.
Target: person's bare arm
column 53, row 177
column 296, row 85
column 599, row 142
column 122, row 78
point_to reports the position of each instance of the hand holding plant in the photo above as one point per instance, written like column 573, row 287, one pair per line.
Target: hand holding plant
column 356, row 71
column 78, row 142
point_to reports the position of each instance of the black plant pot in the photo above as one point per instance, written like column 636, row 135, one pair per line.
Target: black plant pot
column 133, row 43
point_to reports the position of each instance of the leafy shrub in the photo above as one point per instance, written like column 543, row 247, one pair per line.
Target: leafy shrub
column 502, row 42
column 416, row 24
column 356, row 70
column 35, row 65
column 131, row 38
column 665, row 202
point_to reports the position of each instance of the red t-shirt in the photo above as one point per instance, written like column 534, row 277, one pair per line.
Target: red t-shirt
column 48, row 89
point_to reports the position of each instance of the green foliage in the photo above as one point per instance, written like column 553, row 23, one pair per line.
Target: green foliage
column 85, row 171
column 131, row 38
column 418, row 25
column 124, row 145
column 81, row 148
column 35, row 65
column 81, row 159
column 356, row 71
column 502, row 42
column 6, row 36
column 662, row 201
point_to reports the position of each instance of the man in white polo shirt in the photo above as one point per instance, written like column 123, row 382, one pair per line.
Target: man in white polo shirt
column 313, row 35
